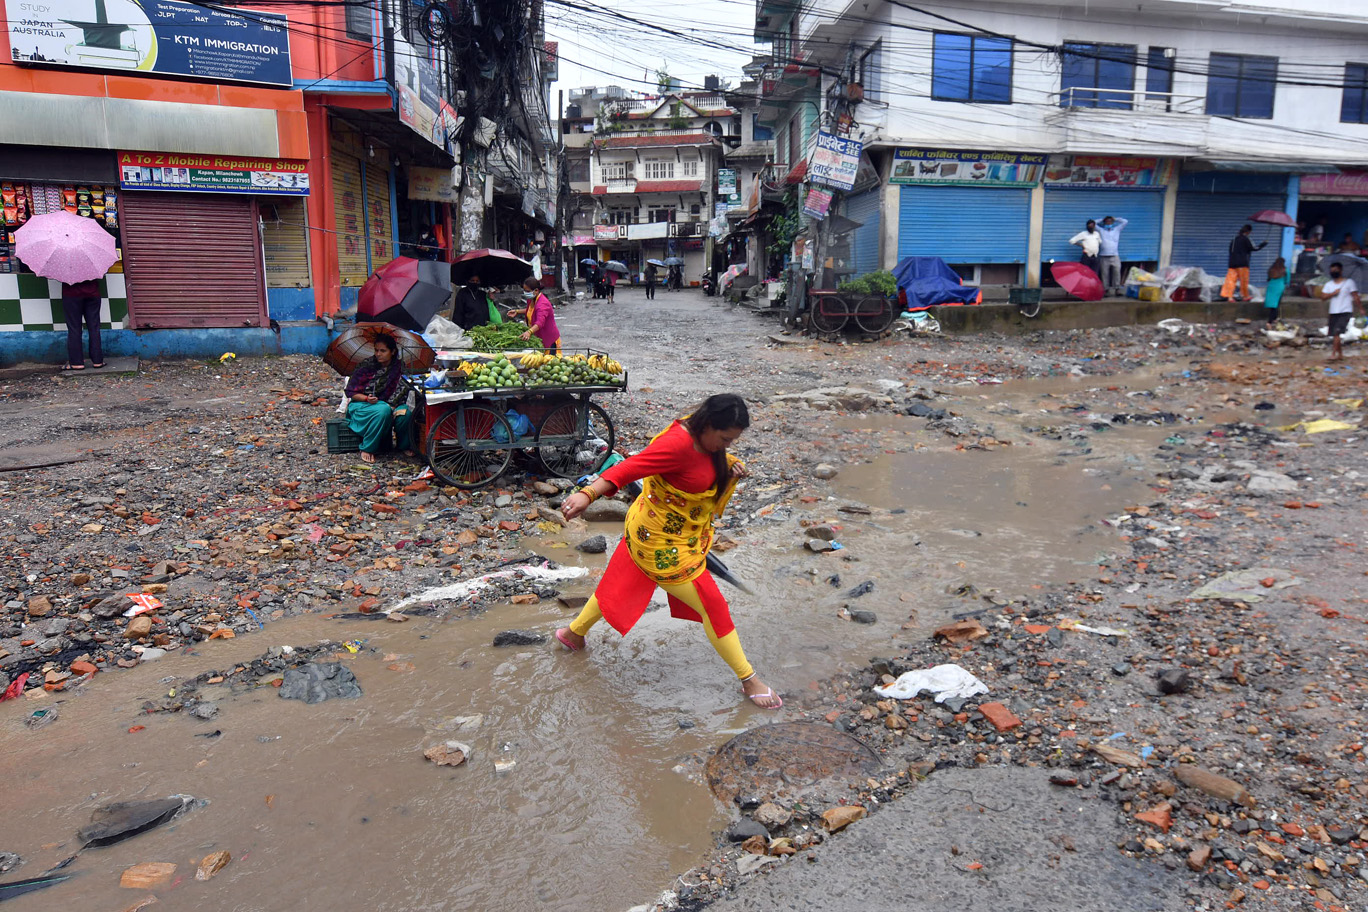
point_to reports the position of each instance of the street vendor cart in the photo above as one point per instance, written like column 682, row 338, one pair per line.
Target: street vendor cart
column 488, row 413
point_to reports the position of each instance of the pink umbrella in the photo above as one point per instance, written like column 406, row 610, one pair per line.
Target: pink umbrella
column 1078, row 280
column 66, row 247
column 1274, row 217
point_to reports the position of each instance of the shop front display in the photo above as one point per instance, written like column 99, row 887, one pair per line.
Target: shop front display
column 33, row 303
column 1083, row 187
column 1333, row 206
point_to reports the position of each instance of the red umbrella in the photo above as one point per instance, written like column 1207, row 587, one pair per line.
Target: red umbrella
column 1078, row 280
column 491, row 265
column 1274, row 217
column 405, row 292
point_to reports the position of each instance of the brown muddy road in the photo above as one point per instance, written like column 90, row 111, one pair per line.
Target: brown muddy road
column 332, row 806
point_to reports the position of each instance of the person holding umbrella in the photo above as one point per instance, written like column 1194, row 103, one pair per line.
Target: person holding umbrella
column 376, row 400
column 650, row 280
column 81, row 302
column 1237, row 264
column 472, row 307
column 77, row 252
column 688, row 479
column 612, row 279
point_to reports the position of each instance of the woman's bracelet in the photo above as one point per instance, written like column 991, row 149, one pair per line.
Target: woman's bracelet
column 589, row 492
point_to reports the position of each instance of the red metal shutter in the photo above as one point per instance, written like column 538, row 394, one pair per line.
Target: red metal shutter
column 192, row 260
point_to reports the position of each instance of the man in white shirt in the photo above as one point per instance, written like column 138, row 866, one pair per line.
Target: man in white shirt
column 1343, row 295
column 1109, row 254
column 1091, row 241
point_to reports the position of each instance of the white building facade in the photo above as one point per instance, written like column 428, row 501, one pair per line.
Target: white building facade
column 993, row 132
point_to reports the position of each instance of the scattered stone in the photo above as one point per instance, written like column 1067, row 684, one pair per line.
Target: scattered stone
column 605, row 511
column 744, row 829
column 1215, row 785
column 838, row 818
column 820, row 531
column 448, row 753
column 825, row 471
column 319, row 681
column 819, row 545
column 147, row 875
column 212, row 864
column 594, row 544
column 519, row 638
column 1199, row 858
column 860, row 616
column 1118, row 756
column 39, row 606
column 545, row 489
column 964, row 631
column 1175, row 681
column 122, row 820
column 1160, row 816
column 771, row 816
column 139, row 628
column 749, row 864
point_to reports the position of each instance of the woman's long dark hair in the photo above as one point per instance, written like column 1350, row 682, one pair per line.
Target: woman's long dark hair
column 721, row 413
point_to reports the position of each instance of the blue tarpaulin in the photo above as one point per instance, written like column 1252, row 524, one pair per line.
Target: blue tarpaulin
column 927, row 282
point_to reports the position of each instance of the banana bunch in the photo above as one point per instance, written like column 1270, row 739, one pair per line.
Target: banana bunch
column 536, row 359
column 467, row 367
column 605, row 364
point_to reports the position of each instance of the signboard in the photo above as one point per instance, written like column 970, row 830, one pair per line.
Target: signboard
column 835, row 161
column 213, row 173
column 153, row 36
column 437, row 184
column 817, row 203
column 578, row 240
column 1346, row 183
column 959, row 166
column 1097, row 171
column 418, row 86
column 610, row 232
column 728, row 190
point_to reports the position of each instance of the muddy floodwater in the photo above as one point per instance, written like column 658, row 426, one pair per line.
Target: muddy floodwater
column 332, row 806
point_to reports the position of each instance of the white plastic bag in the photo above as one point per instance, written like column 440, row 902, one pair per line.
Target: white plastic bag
column 442, row 333
column 944, row 681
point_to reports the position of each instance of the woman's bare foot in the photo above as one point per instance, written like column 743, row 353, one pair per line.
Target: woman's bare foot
column 758, row 693
column 569, row 639
column 367, row 458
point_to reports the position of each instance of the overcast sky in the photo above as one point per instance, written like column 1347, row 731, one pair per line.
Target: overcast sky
column 592, row 43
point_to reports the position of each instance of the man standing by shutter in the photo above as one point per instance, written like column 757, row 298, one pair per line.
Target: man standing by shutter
column 1237, row 265
column 1109, row 254
column 1091, row 241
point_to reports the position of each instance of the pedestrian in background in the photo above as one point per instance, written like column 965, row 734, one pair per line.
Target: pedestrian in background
column 1237, row 265
column 1343, row 295
column 1091, row 241
column 81, row 302
column 650, row 281
column 1277, row 285
column 472, row 307
column 612, row 279
column 1109, row 254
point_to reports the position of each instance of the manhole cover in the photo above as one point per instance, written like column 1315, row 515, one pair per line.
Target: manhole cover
column 760, row 761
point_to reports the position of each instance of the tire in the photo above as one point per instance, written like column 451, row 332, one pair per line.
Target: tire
column 828, row 314
column 873, row 316
column 469, row 448
column 567, row 446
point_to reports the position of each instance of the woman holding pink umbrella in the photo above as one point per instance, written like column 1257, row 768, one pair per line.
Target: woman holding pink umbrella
column 77, row 252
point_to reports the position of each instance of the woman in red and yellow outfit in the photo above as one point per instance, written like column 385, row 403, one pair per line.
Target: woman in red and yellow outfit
column 688, row 477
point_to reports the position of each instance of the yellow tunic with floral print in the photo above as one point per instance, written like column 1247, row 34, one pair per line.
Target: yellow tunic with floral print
column 669, row 531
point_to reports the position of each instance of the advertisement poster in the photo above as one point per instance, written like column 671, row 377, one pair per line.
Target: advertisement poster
column 817, row 203
column 438, row 184
column 1346, row 183
column 1108, row 171
column 421, row 105
column 213, row 173
column 610, row 232
column 728, row 190
column 153, row 36
column 960, row 166
column 835, row 161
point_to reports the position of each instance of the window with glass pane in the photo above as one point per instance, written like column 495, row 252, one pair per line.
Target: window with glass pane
column 660, row 170
column 358, row 21
column 1240, row 85
column 758, row 132
column 971, row 68
column 1159, row 74
column 1089, row 69
column 1354, row 105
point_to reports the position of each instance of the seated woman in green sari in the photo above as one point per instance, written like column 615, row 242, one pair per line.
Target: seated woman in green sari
column 377, row 395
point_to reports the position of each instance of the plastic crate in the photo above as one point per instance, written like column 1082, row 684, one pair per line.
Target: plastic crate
column 341, row 438
column 1019, row 296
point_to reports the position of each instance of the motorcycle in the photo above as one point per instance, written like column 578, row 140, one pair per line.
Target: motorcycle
column 709, row 285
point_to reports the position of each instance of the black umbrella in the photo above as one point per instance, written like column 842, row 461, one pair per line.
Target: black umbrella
column 674, row 261
column 1353, row 267
column 492, row 266
column 617, row 266
column 587, row 261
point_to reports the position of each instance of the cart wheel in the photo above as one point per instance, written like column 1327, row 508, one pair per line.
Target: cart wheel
column 568, row 448
column 469, row 448
column 873, row 316
column 828, row 314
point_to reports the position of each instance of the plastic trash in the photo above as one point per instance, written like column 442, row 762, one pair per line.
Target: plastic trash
column 444, row 334
column 141, row 604
column 227, row 356
column 943, row 681
column 20, row 887
column 122, row 820
column 41, row 717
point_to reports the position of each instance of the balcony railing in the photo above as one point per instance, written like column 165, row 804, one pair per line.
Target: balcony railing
column 1136, row 100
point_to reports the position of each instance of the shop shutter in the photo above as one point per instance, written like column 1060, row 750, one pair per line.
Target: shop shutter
column 864, row 208
column 1067, row 210
column 379, row 224
column 1206, row 223
column 964, row 224
column 285, row 242
column 192, row 260
column 349, row 209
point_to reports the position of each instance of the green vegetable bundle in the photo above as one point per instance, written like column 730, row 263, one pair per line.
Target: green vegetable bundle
column 494, row 337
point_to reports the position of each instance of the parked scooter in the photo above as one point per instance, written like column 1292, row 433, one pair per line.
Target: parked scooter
column 709, row 284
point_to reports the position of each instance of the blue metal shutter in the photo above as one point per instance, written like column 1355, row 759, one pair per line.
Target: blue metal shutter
column 1206, row 223
column 1067, row 211
column 965, row 224
column 864, row 243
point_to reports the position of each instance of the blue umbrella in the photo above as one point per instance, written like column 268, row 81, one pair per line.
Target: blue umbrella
column 588, row 262
column 654, row 263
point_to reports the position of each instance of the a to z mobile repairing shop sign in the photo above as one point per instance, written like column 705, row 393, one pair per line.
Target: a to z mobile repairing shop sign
column 213, row 173
column 152, row 36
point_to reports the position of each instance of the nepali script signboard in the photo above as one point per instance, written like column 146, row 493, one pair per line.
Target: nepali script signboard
column 967, row 167
column 835, row 161
column 153, row 36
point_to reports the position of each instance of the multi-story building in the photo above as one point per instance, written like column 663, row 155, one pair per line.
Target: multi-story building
column 991, row 133
column 652, row 174
column 254, row 167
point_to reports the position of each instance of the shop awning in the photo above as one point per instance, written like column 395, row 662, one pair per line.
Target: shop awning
column 796, row 175
column 1274, row 167
column 669, row 186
